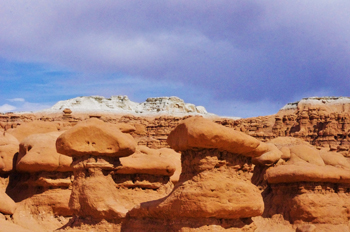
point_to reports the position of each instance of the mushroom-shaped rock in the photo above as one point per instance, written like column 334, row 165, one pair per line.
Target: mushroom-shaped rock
column 215, row 180
column 94, row 137
column 38, row 153
column 8, row 148
column 96, row 147
column 308, row 185
column 43, row 180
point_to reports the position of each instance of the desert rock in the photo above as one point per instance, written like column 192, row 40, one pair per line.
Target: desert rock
column 8, row 148
column 214, row 183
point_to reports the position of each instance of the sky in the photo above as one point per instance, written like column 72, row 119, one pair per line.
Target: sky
column 240, row 58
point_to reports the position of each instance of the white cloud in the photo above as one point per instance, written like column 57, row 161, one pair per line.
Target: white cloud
column 16, row 100
column 21, row 105
column 30, row 106
column 7, row 108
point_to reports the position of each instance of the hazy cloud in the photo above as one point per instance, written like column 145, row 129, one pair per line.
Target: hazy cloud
column 7, row 108
column 16, row 100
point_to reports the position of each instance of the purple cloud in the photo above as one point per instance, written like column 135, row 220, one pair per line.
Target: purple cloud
column 236, row 51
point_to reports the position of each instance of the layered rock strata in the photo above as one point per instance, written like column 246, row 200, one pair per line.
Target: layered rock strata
column 214, row 190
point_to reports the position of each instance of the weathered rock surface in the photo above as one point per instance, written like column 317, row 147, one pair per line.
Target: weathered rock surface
column 163, row 162
column 309, row 186
column 34, row 127
column 95, row 146
column 7, row 205
column 38, row 153
column 8, row 148
column 304, row 188
column 96, row 138
column 41, row 183
column 214, row 183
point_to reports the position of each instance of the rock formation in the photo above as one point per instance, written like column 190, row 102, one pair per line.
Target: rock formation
column 95, row 148
column 237, row 175
column 34, row 127
column 308, row 186
column 214, row 190
column 8, row 148
column 112, row 174
column 41, row 184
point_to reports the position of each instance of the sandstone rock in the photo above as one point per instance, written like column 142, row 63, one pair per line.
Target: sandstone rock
column 7, row 205
column 311, row 173
column 41, row 183
column 38, row 153
column 125, row 128
column 306, row 228
column 334, row 159
column 149, row 161
column 7, row 226
column 311, row 186
column 45, row 211
column 94, row 137
column 34, row 127
column 146, row 175
column 96, row 147
column 8, row 148
column 199, row 132
column 213, row 184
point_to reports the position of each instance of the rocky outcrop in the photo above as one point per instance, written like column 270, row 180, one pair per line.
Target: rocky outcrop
column 238, row 175
column 214, row 190
column 95, row 147
column 112, row 174
column 41, row 183
column 308, row 185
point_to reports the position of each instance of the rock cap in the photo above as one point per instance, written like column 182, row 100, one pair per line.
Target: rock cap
column 97, row 138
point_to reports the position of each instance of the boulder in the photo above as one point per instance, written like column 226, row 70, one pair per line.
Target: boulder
column 38, row 153
column 94, row 137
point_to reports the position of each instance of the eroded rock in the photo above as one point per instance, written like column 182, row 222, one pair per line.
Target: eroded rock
column 215, row 181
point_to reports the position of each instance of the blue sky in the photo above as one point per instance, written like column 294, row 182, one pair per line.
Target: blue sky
column 237, row 58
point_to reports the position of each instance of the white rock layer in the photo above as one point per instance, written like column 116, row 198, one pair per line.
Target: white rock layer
column 122, row 104
column 317, row 101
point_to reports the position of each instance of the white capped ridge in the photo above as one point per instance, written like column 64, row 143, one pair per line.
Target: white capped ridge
column 122, row 104
column 317, row 101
